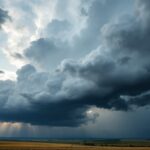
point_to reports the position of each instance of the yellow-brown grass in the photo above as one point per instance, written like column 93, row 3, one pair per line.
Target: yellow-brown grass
column 55, row 146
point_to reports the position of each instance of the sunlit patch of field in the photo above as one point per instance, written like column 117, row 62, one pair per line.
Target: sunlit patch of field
column 6, row 145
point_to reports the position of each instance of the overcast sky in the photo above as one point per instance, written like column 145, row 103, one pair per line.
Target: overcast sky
column 75, row 68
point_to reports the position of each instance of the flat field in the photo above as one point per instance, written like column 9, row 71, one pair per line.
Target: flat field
column 10, row 145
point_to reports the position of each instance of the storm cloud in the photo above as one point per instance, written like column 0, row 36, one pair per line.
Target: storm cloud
column 116, row 75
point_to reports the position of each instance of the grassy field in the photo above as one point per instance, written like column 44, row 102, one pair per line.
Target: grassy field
column 9, row 145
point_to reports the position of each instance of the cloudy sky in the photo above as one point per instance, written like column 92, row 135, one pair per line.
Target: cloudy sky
column 75, row 68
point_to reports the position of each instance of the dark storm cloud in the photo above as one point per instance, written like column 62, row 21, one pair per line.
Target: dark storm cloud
column 140, row 100
column 130, row 35
column 37, row 104
column 114, row 76
column 3, row 16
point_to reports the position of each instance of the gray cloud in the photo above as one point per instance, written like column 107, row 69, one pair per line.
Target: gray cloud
column 114, row 76
column 99, row 13
column 60, row 32
column 17, row 56
column 57, row 28
column 1, row 72
column 3, row 16
column 46, row 53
